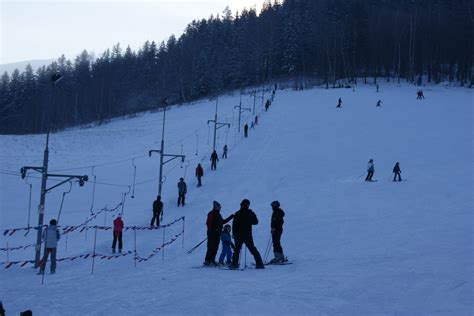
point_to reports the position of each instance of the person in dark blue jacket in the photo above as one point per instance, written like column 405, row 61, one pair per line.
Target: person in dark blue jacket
column 227, row 246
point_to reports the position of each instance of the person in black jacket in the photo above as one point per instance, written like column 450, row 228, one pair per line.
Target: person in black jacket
column 157, row 211
column 214, row 229
column 277, row 230
column 246, row 130
column 242, row 233
column 214, row 160
column 397, row 171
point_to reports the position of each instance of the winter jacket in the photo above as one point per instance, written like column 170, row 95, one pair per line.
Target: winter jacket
column 277, row 219
column 215, row 222
column 370, row 167
column 214, row 157
column 226, row 239
column 243, row 221
column 157, row 207
column 118, row 225
column 182, row 187
column 51, row 236
column 199, row 171
column 396, row 169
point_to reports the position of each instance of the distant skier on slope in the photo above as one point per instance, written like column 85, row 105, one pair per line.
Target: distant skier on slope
column 370, row 170
column 157, row 211
column 199, row 174
column 267, row 105
column 224, row 152
column 379, row 103
column 276, row 231
column 182, row 190
column 246, row 131
column 397, row 171
column 339, row 103
column 214, row 224
column 118, row 228
column 50, row 239
column 214, row 160
column 242, row 231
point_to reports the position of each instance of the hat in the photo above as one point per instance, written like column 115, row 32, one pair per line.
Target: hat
column 245, row 202
column 216, row 204
column 53, row 222
column 275, row 204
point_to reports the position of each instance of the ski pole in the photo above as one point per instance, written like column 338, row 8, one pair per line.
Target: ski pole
column 195, row 247
column 390, row 176
column 267, row 250
column 245, row 256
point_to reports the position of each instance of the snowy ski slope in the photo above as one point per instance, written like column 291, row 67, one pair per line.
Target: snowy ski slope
column 358, row 248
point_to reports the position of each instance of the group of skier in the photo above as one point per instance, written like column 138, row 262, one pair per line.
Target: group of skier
column 396, row 171
column 241, row 229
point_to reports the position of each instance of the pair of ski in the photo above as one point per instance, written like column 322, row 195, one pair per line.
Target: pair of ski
column 267, row 264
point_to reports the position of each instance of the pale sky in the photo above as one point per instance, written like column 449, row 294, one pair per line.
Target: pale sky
column 46, row 29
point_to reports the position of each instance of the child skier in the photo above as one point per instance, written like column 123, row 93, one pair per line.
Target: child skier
column 227, row 244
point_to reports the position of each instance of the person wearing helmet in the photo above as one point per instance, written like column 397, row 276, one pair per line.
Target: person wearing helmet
column 242, row 230
column 276, row 231
column 227, row 246
column 214, row 228
column 370, row 170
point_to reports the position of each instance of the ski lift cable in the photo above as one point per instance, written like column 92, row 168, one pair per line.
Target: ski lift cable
column 62, row 200
column 93, row 190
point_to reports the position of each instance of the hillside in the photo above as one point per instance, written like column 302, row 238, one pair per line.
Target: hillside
column 358, row 248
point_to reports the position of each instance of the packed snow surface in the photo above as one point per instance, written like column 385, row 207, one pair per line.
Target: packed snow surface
column 358, row 248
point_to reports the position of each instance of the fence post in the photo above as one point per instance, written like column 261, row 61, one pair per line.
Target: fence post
column 135, row 237
column 163, row 250
column 184, row 220
column 93, row 255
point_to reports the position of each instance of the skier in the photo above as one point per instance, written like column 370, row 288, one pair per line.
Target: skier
column 419, row 94
column 256, row 119
column 377, row 87
column 157, row 211
column 199, row 174
column 214, row 160
column 370, row 170
column 118, row 227
column 51, row 237
column 267, row 105
column 246, row 131
column 227, row 246
column 224, row 152
column 242, row 230
column 397, row 171
column 214, row 224
column 252, row 126
column 339, row 103
column 276, row 230
column 379, row 103
column 181, row 191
